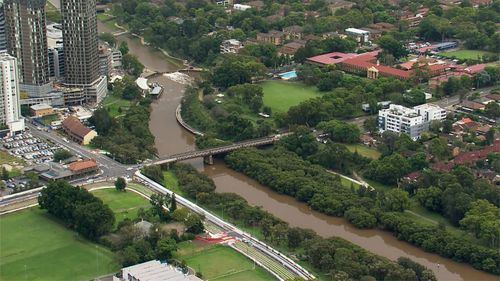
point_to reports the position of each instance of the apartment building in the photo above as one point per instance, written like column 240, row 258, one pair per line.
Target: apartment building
column 400, row 119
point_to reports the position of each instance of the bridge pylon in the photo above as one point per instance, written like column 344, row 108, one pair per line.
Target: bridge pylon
column 208, row 159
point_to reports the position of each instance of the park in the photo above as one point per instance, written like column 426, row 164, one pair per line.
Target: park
column 281, row 95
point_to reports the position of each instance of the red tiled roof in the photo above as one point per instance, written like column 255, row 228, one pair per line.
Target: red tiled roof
column 472, row 104
column 82, row 165
column 495, row 97
column 473, row 69
column 467, row 157
column 331, row 58
column 74, row 125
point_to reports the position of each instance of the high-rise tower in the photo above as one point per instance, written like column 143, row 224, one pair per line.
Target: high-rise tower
column 26, row 34
column 80, row 41
column 10, row 107
column 3, row 39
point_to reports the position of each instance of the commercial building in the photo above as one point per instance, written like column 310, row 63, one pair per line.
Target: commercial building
column 10, row 107
column 232, row 46
column 55, row 171
column 400, row 119
column 79, row 26
column 77, row 131
column 153, row 271
column 27, row 41
column 39, row 110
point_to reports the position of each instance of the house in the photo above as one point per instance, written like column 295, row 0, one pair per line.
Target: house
column 77, row 131
column 494, row 97
column 293, row 32
column 289, row 49
column 472, row 105
column 382, row 26
column 83, row 167
column 465, row 125
column 232, row 46
column 273, row 37
column 39, row 110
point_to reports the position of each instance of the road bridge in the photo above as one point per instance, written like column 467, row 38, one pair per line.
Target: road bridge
column 208, row 153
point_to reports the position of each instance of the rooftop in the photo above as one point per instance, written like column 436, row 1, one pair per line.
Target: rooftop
column 74, row 125
column 41, row 106
column 155, row 271
column 82, row 165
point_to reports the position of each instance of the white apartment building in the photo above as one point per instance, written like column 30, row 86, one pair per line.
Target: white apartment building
column 10, row 106
column 431, row 112
column 230, row 46
column 400, row 119
column 241, row 7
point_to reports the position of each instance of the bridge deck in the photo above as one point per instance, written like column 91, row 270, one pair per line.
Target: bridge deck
column 216, row 150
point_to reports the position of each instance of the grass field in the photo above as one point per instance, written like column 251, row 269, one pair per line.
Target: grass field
column 364, row 150
column 48, row 119
column 33, row 246
column 217, row 262
column 124, row 204
column 112, row 104
column 170, row 182
column 6, row 158
column 281, row 95
column 464, row 54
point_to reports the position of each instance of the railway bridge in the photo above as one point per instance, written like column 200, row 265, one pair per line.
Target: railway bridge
column 208, row 153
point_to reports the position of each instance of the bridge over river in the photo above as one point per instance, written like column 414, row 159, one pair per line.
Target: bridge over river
column 209, row 152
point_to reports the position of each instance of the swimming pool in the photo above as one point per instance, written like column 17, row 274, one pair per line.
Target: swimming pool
column 288, row 75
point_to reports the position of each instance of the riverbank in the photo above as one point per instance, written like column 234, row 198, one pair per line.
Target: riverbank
column 171, row 139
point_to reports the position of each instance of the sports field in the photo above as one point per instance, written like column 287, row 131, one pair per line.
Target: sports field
column 281, row 95
column 124, row 204
column 219, row 262
column 34, row 246
column 464, row 54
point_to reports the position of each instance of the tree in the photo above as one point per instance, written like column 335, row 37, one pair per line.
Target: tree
column 61, row 154
column 153, row 172
column 108, row 38
column 483, row 220
column 492, row 110
column 194, row 224
column 392, row 46
column 430, row 198
column 123, row 48
column 340, row 131
column 93, row 220
column 371, row 125
column 5, row 174
column 132, row 65
column 102, row 121
column 120, row 184
column 360, row 218
column 173, row 203
column 165, row 247
column 396, row 200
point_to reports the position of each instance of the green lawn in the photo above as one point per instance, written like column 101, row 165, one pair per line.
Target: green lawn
column 464, row 54
column 52, row 13
column 6, row 158
column 113, row 104
column 34, row 246
column 281, row 95
column 124, row 204
column 170, row 182
column 364, row 150
column 48, row 119
column 221, row 263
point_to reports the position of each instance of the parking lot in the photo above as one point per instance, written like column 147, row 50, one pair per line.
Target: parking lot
column 31, row 149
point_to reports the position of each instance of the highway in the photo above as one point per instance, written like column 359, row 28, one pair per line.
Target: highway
column 289, row 264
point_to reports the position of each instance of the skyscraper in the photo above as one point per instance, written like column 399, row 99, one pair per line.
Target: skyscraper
column 25, row 27
column 3, row 40
column 10, row 107
column 80, row 41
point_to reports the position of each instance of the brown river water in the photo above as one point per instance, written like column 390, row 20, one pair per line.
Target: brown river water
column 171, row 139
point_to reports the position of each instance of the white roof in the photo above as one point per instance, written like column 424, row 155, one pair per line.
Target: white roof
column 142, row 83
column 155, row 271
column 357, row 31
column 40, row 106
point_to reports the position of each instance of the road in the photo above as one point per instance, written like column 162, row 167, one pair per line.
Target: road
column 283, row 260
column 110, row 168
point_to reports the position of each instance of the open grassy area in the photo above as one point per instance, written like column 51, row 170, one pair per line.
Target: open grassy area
column 124, row 204
column 170, row 182
column 48, row 119
column 464, row 54
column 34, row 246
column 364, row 150
column 217, row 262
column 114, row 105
column 281, row 95
column 6, row 158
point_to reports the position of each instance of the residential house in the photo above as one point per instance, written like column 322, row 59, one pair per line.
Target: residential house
column 273, row 37
column 289, row 49
column 294, row 32
column 232, row 46
column 472, row 105
column 258, row 5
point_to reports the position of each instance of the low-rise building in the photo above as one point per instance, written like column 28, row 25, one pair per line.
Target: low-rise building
column 54, row 171
column 289, row 49
column 241, row 7
column 232, row 46
column 472, row 105
column 361, row 36
column 400, row 119
column 273, row 37
column 153, row 271
column 77, row 131
column 293, row 32
column 39, row 110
